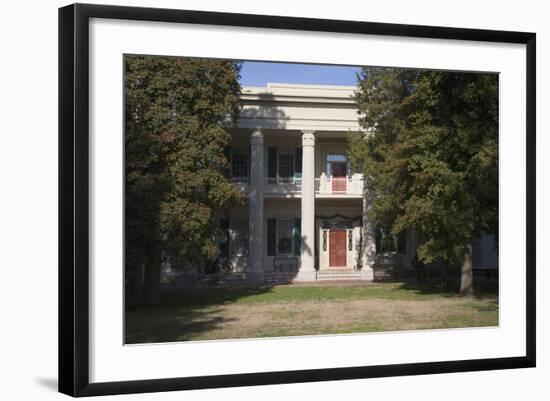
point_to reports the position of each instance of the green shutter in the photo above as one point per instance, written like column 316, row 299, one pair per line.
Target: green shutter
column 272, row 164
column 298, row 165
column 271, row 237
column 224, row 237
column 297, row 236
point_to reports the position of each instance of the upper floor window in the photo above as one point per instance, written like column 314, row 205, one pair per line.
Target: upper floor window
column 286, row 165
column 239, row 164
column 337, row 165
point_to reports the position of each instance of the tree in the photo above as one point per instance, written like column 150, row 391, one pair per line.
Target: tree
column 177, row 115
column 431, row 158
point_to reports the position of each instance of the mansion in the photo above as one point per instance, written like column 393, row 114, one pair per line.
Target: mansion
column 305, row 213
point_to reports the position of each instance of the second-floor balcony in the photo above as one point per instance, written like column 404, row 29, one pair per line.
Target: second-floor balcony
column 325, row 186
column 349, row 186
column 283, row 186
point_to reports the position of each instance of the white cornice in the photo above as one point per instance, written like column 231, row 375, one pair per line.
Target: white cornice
column 300, row 93
column 299, row 106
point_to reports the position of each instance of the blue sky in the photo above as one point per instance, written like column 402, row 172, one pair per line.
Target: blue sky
column 255, row 73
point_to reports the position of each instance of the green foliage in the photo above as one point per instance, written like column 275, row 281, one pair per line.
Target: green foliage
column 177, row 112
column 430, row 155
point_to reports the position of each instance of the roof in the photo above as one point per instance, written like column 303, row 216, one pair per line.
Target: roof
column 299, row 107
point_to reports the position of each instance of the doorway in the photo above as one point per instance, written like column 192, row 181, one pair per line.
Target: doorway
column 339, row 176
column 337, row 248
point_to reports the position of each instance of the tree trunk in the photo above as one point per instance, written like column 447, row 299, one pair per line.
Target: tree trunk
column 151, row 281
column 467, row 275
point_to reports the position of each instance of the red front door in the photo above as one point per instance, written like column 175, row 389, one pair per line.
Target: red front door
column 339, row 176
column 337, row 248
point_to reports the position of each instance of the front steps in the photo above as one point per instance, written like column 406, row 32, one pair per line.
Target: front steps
column 338, row 275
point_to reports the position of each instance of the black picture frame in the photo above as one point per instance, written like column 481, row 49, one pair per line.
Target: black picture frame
column 74, row 198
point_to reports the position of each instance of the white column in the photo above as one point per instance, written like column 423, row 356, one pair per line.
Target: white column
column 307, row 257
column 369, row 242
column 256, row 207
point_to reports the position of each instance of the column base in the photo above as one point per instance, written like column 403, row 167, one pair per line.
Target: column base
column 310, row 275
column 367, row 274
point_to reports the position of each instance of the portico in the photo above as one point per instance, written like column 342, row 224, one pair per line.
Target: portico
column 289, row 157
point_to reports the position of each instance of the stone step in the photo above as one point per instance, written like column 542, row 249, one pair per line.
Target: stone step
column 334, row 277
column 358, row 277
column 220, row 279
column 338, row 271
column 338, row 274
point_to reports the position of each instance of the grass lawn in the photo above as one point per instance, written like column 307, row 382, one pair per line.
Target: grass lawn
column 287, row 310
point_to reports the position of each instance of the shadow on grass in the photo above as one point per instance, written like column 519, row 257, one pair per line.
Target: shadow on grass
column 194, row 313
column 184, row 314
column 483, row 288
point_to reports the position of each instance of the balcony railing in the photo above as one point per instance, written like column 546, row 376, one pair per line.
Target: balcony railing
column 327, row 185
column 283, row 186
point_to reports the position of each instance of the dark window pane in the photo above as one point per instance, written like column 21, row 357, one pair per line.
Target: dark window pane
column 286, row 165
column 240, row 165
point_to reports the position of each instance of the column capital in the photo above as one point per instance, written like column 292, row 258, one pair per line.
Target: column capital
column 257, row 137
column 308, row 138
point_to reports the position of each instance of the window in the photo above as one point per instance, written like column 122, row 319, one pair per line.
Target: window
column 286, row 165
column 239, row 238
column 239, row 164
column 337, row 165
column 284, row 237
